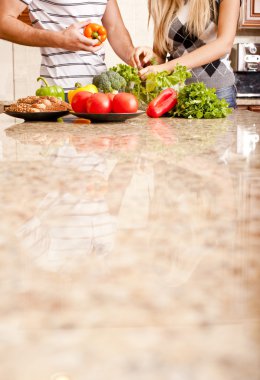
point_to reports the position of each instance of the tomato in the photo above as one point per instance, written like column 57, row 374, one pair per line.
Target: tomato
column 111, row 96
column 124, row 103
column 99, row 103
column 78, row 102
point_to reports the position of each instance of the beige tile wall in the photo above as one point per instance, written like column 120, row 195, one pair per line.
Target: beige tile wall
column 135, row 16
column 26, row 70
column 20, row 65
column 6, row 71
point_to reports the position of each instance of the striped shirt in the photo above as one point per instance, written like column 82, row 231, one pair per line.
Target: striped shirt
column 66, row 230
column 61, row 67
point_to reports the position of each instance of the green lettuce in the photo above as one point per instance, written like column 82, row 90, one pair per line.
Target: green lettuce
column 155, row 82
column 130, row 74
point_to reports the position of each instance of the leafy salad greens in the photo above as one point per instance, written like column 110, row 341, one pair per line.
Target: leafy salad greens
column 147, row 90
column 198, row 101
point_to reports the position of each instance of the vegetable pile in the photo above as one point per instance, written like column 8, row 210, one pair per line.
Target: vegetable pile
column 100, row 103
column 197, row 101
column 194, row 100
column 154, row 84
column 160, row 94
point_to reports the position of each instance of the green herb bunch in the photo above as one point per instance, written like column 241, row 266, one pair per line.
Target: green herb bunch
column 197, row 101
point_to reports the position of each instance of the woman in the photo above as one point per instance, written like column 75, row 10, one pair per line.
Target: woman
column 198, row 34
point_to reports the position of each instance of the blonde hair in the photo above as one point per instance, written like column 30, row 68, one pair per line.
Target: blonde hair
column 163, row 12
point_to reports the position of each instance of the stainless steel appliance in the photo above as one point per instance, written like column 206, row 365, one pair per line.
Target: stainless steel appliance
column 245, row 60
column 248, row 57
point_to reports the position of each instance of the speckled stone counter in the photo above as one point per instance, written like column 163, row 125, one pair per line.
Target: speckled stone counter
column 131, row 250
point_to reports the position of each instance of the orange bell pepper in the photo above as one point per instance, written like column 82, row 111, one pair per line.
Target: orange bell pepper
column 96, row 32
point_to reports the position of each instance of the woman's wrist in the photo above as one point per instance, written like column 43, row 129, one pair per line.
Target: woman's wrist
column 169, row 66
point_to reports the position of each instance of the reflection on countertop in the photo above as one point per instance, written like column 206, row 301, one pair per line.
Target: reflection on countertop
column 130, row 251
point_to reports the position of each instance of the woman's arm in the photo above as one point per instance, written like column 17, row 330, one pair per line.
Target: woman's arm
column 118, row 36
column 14, row 30
column 227, row 26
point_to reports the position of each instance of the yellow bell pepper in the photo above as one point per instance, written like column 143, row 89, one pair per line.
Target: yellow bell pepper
column 78, row 87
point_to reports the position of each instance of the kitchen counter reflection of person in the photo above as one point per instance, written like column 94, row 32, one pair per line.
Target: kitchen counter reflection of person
column 198, row 34
column 57, row 28
column 72, row 225
column 78, row 222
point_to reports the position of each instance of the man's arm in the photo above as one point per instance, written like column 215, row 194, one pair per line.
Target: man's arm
column 118, row 36
column 14, row 30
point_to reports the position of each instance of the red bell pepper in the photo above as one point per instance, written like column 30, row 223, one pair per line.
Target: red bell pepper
column 162, row 103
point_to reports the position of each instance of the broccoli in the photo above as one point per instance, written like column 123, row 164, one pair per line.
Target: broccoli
column 109, row 82
column 102, row 82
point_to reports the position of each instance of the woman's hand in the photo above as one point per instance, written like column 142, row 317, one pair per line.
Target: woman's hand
column 141, row 56
column 72, row 39
column 143, row 73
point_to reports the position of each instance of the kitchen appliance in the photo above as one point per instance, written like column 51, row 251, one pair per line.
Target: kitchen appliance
column 245, row 60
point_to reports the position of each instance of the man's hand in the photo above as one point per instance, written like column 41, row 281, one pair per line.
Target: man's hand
column 142, row 55
column 72, row 38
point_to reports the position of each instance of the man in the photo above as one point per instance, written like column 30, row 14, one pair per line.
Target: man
column 57, row 28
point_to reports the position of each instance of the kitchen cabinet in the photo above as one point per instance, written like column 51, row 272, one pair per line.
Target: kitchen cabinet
column 250, row 104
column 250, row 14
column 253, row 108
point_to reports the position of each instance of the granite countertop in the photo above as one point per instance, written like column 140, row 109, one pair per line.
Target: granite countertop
column 130, row 250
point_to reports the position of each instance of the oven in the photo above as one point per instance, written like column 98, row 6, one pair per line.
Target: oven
column 245, row 60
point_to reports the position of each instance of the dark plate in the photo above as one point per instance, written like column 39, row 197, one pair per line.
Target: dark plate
column 38, row 116
column 108, row 117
